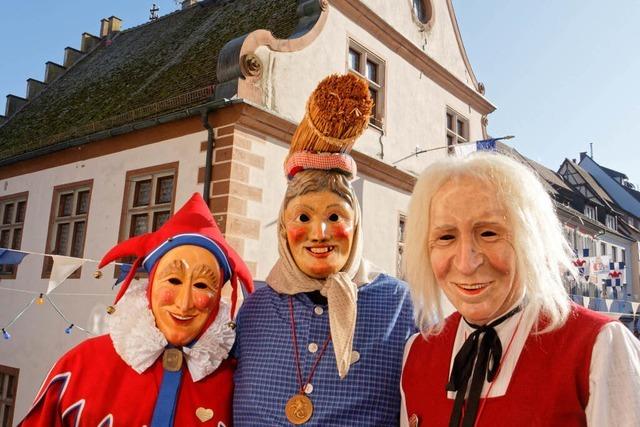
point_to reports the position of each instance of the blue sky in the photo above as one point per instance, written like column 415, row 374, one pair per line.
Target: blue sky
column 562, row 73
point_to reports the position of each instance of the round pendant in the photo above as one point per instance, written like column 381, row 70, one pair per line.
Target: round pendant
column 298, row 409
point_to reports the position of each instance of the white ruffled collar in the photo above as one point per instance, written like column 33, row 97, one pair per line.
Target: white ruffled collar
column 139, row 342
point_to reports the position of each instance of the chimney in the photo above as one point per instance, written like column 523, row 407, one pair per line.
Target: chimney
column 114, row 24
column 14, row 103
column 71, row 56
column 110, row 26
column 583, row 154
column 188, row 3
column 34, row 87
column 88, row 42
column 104, row 27
column 52, row 71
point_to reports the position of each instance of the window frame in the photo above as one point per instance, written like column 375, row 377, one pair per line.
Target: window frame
column 55, row 219
column 592, row 211
column 5, row 401
column 400, row 244
column 10, row 272
column 456, row 138
column 379, row 85
column 427, row 6
column 128, row 210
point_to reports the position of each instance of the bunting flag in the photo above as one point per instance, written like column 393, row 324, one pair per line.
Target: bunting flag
column 11, row 257
column 598, row 269
column 634, row 307
column 608, row 303
column 582, row 265
column 617, row 273
column 63, row 267
column 467, row 148
column 585, row 301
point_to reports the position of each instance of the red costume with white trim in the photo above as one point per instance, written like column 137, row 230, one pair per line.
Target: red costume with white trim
column 92, row 386
column 550, row 385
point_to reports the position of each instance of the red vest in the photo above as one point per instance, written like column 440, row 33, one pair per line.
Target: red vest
column 549, row 386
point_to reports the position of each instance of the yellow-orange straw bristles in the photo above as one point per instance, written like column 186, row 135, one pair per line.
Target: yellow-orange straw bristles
column 337, row 113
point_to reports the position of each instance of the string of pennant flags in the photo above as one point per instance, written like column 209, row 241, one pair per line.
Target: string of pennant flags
column 62, row 267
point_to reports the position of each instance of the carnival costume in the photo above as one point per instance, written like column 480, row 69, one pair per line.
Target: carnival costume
column 133, row 376
column 323, row 352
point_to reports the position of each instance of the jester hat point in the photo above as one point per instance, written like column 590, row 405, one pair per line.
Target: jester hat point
column 194, row 225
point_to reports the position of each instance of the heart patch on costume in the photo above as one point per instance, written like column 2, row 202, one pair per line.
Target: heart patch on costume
column 204, row 414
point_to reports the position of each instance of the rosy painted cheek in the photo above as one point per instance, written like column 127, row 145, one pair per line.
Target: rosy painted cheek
column 296, row 234
column 341, row 231
column 167, row 296
column 203, row 300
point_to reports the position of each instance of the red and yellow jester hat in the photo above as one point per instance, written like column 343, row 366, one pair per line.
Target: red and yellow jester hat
column 194, row 225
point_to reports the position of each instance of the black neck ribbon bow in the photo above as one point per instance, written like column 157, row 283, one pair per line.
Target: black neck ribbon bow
column 486, row 353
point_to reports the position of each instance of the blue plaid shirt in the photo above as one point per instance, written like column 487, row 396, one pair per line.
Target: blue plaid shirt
column 266, row 376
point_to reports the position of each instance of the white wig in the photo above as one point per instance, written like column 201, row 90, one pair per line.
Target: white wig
column 543, row 255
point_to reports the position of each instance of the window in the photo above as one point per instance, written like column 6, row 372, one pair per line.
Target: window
column 401, row 239
column 149, row 196
column 422, row 11
column 611, row 222
column 590, row 211
column 365, row 64
column 8, row 388
column 68, row 224
column 149, row 201
column 603, row 248
column 12, row 212
column 623, row 256
column 614, row 254
column 457, row 129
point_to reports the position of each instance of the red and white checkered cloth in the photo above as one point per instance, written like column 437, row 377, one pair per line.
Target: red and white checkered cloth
column 304, row 160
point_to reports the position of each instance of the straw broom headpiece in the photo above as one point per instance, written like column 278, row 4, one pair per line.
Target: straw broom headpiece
column 337, row 113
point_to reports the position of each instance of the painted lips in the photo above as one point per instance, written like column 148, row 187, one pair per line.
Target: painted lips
column 181, row 318
column 320, row 251
column 472, row 288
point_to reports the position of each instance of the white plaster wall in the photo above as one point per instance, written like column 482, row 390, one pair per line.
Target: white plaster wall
column 415, row 105
column 273, row 183
column 438, row 40
column 381, row 206
column 38, row 337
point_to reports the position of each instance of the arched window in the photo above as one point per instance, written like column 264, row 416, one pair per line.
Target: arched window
column 422, row 10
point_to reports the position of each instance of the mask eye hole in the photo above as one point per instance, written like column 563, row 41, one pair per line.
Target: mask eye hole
column 334, row 217
column 200, row 285
column 304, row 218
column 175, row 281
column 488, row 233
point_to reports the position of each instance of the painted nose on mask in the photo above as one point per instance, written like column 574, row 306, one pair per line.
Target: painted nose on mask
column 468, row 256
column 319, row 230
column 184, row 299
